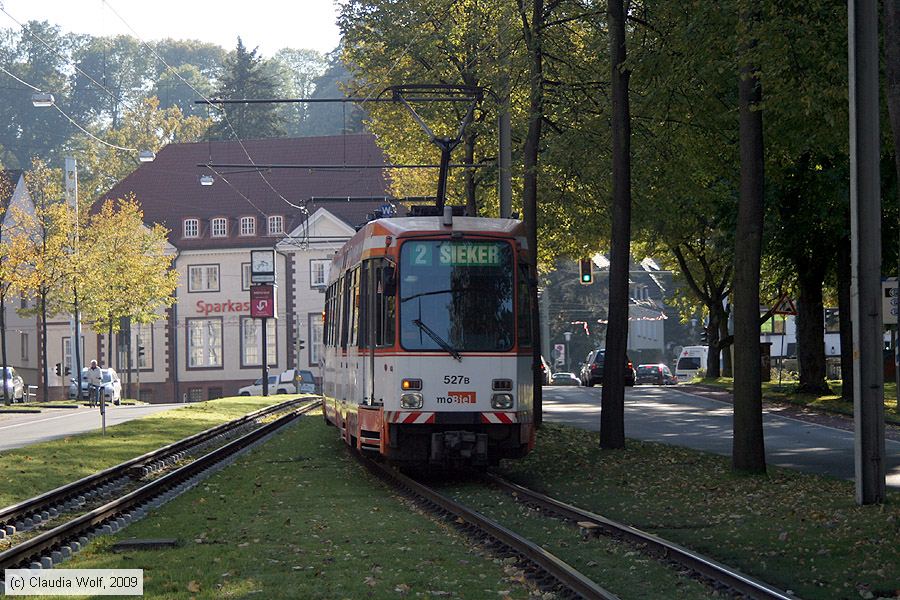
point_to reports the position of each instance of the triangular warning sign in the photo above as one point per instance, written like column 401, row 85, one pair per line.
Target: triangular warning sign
column 785, row 306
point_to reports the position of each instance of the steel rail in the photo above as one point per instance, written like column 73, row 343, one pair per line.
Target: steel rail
column 547, row 562
column 17, row 512
column 56, row 538
column 720, row 573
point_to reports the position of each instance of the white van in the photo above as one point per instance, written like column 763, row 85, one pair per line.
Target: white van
column 691, row 361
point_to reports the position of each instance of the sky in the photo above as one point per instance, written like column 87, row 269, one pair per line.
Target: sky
column 268, row 24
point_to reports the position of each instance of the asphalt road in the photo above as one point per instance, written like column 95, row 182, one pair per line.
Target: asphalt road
column 17, row 430
column 664, row 414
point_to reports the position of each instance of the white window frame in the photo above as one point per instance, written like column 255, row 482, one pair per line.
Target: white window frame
column 245, row 276
column 204, row 279
column 315, row 337
column 142, row 334
column 204, row 343
column 190, row 228
column 251, row 342
column 317, row 280
column 23, row 339
column 248, row 226
column 272, row 230
column 218, row 227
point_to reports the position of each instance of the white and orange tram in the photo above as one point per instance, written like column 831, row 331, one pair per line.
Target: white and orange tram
column 427, row 343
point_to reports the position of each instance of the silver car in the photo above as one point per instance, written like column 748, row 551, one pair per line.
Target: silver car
column 111, row 386
column 14, row 384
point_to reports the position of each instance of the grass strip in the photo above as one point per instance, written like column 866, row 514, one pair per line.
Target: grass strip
column 299, row 518
column 787, row 392
column 796, row 531
column 617, row 566
column 29, row 471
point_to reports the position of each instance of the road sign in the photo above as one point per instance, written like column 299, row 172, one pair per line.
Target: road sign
column 262, row 300
column 889, row 302
column 785, row 306
column 559, row 351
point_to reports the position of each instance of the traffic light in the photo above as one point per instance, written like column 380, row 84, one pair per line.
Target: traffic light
column 587, row 271
column 58, row 369
column 301, row 345
column 140, row 351
column 68, row 370
column 704, row 336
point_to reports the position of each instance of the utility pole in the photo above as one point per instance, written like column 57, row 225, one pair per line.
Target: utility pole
column 865, row 235
column 71, row 186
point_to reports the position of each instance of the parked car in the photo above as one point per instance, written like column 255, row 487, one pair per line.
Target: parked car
column 691, row 361
column 658, row 374
column 291, row 381
column 592, row 369
column 545, row 371
column 564, row 378
column 111, row 386
column 14, row 384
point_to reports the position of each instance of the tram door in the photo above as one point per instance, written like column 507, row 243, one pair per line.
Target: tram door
column 368, row 286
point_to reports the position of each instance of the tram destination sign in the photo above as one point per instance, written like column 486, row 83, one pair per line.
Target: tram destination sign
column 458, row 254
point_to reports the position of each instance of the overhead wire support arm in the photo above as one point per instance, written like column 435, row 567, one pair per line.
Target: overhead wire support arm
column 244, row 168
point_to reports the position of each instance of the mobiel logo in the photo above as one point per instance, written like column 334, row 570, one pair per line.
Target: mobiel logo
column 207, row 308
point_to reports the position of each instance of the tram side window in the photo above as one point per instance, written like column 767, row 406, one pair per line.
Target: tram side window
column 363, row 320
column 345, row 309
column 524, row 320
column 384, row 306
column 354, row 308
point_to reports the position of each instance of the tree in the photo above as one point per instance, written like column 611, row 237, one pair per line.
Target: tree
column 748, row 450
column 247, row 76
column 612, row 413
column 298, row 70
column 138, row 280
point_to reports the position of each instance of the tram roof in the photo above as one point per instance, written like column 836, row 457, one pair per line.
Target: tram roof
column 398, row 226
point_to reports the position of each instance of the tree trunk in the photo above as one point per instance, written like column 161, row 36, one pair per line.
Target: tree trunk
column 469, row 176
column 810, row 328
column 530, row 178
column 612, row 411
column 109, row 344
column 748, row 449
column 844, row 276
column 725, row 346
column 892, row 86
column 6, row 398
column 713, row 340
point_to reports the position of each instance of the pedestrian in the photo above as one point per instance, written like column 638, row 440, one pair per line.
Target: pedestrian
column 94, row 380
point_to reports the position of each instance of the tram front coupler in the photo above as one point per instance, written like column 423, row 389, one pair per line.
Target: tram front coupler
column 459, row 446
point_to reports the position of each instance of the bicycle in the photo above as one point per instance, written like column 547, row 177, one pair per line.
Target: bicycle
column 94, row 392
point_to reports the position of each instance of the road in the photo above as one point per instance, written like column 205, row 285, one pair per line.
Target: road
column 17, row 430
column 670, row 416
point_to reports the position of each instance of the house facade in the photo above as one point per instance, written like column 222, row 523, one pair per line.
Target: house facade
column 206, row 345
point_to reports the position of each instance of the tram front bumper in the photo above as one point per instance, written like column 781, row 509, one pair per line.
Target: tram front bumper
column 448, row 446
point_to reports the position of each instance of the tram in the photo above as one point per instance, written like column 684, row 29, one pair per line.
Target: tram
column 427, row 341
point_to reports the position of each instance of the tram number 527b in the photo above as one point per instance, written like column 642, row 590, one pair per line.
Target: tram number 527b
column 455, row 379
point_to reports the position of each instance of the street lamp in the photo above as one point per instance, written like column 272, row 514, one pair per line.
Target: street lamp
column 145, row 156
column 206, row 180
column 42, row 99
column 568, row 337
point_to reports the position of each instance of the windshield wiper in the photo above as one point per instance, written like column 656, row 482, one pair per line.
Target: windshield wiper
column 438, row 339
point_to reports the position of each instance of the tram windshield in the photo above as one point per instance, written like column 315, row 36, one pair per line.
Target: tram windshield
column 456, row 296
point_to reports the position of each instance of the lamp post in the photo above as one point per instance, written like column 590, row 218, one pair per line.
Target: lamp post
column 568, row 337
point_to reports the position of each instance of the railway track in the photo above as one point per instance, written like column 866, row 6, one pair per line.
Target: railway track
column 58, row 543
column 551, row 573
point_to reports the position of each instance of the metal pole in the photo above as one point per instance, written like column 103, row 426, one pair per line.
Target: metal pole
column 865, row 228
column 102, row 410
column 265, row 358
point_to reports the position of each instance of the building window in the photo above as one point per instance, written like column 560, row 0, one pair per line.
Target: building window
column 203, row 278
column 245, row 276
column 832, row 320
column 204, row 341
column 23, row 300
column 23, row 338
column 276, row 225
column 191, row 228
column 248, row 225
column 318, row 273
column 142, row 335
column 67, row 352
column 314, row 339
column 251, row 342
column 219, row 227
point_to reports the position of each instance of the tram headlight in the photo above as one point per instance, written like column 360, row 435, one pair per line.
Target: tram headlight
column 502, row 401
column 411, row 400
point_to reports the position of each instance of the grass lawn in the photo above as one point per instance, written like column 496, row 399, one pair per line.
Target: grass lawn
column 796, row 531
column 299, row 518
column 787, row 392
column 26, row 472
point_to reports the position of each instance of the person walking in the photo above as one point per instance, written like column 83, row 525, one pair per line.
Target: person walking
column 95, row 381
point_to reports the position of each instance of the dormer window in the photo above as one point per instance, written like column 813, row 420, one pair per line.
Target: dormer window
column 191, row 228
column 219, row 228
column 276, row 225
column 248, row 225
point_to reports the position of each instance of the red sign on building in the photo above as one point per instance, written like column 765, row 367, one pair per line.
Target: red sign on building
column 262, row 300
